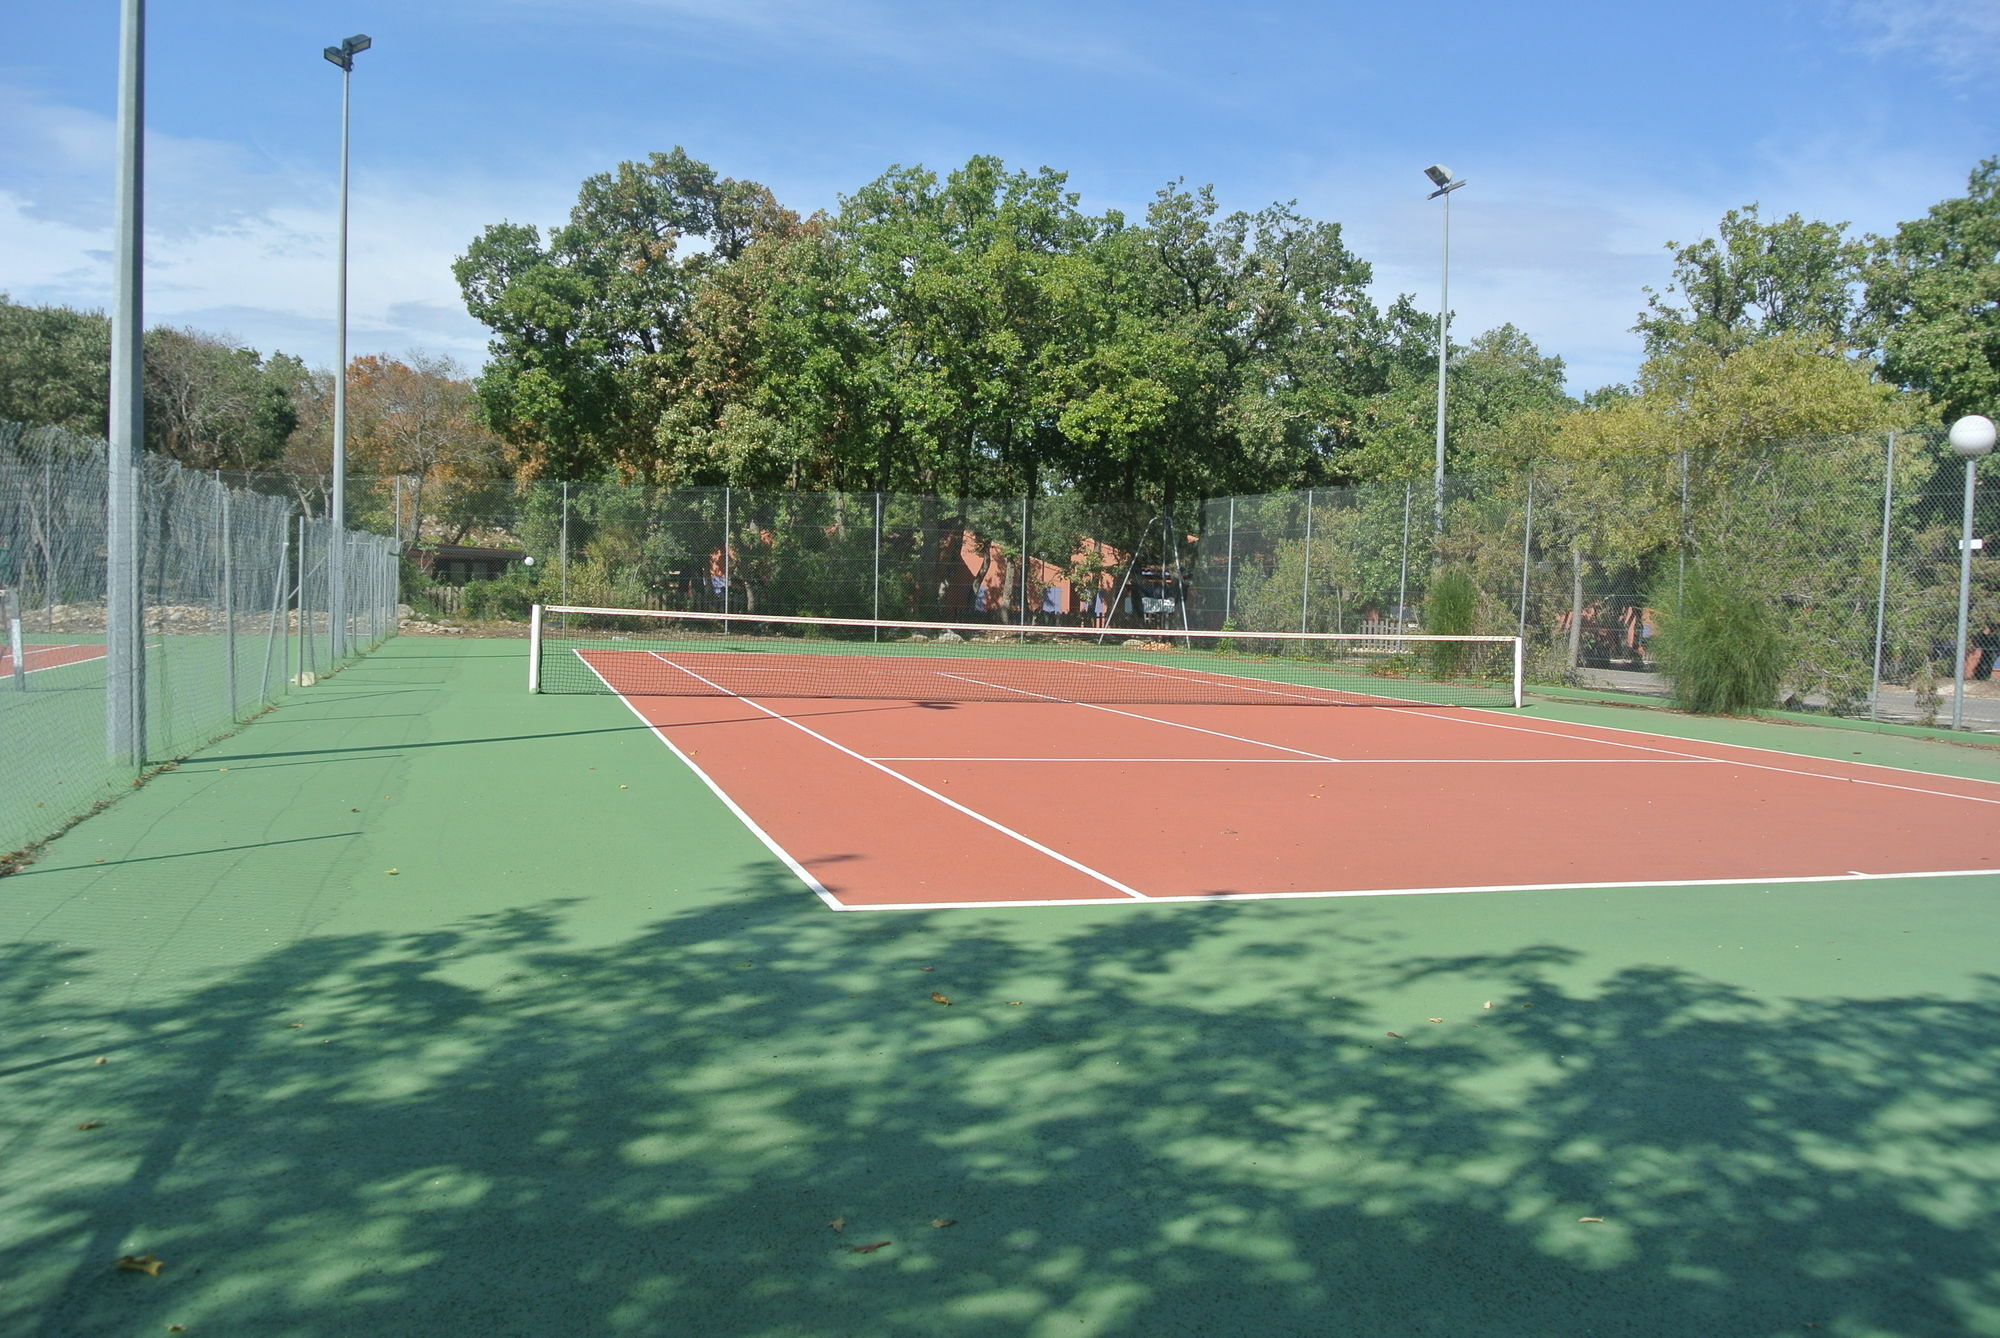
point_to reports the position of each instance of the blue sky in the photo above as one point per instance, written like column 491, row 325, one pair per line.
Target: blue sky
column 1590, row 134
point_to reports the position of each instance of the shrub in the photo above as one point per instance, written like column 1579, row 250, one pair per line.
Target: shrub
column 1451, row 608
column 1719, row 643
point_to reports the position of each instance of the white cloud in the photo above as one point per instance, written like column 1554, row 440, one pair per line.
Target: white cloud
column 1960, row 38
column 242, row 247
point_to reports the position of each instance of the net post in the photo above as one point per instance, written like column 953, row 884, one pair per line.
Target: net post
column 535, row 648
column 14, row 646
column 1520, row 668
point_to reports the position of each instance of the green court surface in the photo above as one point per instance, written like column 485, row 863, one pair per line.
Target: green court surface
column 422, row 1006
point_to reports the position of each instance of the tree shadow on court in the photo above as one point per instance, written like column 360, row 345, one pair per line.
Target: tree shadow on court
column 761, row 1119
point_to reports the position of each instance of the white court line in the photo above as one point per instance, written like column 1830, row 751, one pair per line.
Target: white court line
column 1149, row 719
column 976, row 816
column 1331, row 696
column 1168, row 900
column 1545, row 732
column 1548, row 730
column 1356, row 761
column 30, row 667
column 819, row 888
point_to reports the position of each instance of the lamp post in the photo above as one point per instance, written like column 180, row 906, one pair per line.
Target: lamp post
column 1971, row 437
column 336, row 573
column 124, row 547
column 1442, row 178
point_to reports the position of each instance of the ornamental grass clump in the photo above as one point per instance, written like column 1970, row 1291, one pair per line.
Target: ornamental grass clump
column 1451, row 607
column 1719, row 643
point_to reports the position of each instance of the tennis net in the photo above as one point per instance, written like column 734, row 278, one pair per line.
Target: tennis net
column 636, row 652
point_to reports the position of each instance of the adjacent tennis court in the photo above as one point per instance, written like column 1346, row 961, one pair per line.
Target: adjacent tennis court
column 920, row 775
column 36, row 658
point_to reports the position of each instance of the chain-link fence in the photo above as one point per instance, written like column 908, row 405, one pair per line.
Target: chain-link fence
column 1851, row 541
column 235, row 590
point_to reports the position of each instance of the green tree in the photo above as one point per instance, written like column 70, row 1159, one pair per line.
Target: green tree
column 1755, row 279
column 590, row 329
column 1934, row 297
column 211, row 405
column 55, row 366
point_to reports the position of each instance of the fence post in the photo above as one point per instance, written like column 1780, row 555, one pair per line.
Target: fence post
column 1882, row 579
column 1024, row 561
column 229, row 601
column 562, row 558
column 305, row 646
column 1527, row 541
column 1403, row 578
column 876, row 586
column 1681, row 577
column 1305, row 577
column 1229, row 569
column 725, row 548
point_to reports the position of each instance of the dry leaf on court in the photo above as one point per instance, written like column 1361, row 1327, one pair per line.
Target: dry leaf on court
column 939, row 998
column 1397, row 1034
column 101, row 1059
column 838, row 1224
column 140, row 1263
column 868, row 1249
column 1487, row 1004
column 943, row 1222
column 1437, row 1019
column 1590, row 1219
column 1013, row 1003
column 91, row 1124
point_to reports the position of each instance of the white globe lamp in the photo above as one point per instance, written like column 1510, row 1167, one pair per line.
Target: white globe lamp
column 1971, row 437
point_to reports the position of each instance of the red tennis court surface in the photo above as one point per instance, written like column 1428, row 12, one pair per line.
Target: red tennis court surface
column 912, row 804
column 36, row 658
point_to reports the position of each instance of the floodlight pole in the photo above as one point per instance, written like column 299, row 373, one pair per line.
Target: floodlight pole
column 1971, row 437
column 1441, row 178
column 336, row 567
column 125, row 641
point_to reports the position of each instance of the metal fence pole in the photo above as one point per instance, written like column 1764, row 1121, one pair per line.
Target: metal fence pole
column 1305, row 577
column 1882, row 579
column 562, row 558
column 305, row 646
column 877, row 583
column 1024, row 562
column 1229, row 569
column 1403, row 578
column 1681, row 577
column 1527, row 543
column 725, row 550
column 229, row 601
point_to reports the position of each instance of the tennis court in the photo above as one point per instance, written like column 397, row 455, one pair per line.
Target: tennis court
column 37, row 658
column 422, row 1006
column 897, row 777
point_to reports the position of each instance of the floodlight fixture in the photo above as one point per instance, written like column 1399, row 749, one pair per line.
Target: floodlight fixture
column 1439, row 174
column 343, row 55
